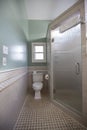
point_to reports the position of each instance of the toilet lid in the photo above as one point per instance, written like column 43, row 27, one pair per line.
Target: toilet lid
column 37, row 84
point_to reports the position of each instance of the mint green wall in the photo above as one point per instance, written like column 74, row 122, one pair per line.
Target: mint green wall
column 12, row 35
column 38, row 29
column 24, row 24
column 21, row 33
column 37, row 33
column 17, row 32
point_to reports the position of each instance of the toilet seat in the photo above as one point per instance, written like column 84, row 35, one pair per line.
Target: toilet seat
column 37, row 85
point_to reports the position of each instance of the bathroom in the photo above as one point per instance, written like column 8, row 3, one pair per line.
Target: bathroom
column 20, row 33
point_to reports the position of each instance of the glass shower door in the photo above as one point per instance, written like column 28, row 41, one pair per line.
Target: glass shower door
column 67, row 83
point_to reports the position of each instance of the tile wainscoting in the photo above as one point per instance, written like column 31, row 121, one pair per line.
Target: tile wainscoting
column 13, row 91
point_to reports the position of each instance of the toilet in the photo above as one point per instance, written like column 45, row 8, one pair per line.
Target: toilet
column 37, row 84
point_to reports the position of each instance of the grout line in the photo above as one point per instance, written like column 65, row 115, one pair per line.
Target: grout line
column 20, row 112
column 45, row 116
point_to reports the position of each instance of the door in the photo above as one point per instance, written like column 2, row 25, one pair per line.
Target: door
column 67, row 83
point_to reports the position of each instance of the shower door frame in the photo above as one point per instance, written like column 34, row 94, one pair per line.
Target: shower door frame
column 78, row 7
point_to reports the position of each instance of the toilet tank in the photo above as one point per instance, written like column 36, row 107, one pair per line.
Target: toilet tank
column 37, row 77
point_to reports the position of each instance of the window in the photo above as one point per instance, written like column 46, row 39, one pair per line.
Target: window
column 38, row 52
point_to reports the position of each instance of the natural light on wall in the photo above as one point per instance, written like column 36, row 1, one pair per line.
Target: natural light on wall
column 18, row 53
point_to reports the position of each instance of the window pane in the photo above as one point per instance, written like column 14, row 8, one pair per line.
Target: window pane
column 39, row 56
column 38, row 48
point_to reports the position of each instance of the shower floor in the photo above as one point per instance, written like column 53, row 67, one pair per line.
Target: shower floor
column 44, row 115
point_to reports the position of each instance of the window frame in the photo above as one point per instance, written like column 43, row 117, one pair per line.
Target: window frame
column 33, row 52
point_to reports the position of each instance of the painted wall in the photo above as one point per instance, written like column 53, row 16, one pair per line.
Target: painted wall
column 12, row 37
column 13, row 40
column 17, row 34
column 38, row 29
column 37, row 33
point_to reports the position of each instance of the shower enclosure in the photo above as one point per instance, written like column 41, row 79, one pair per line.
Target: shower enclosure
column 67, row 60
column 66, row 65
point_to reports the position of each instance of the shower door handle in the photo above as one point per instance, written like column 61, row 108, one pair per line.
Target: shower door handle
column 77, row 68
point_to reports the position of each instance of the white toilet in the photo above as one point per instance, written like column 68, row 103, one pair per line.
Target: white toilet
column 37, row 84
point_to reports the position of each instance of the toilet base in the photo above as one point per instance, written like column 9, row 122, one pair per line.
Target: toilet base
column 37, row 95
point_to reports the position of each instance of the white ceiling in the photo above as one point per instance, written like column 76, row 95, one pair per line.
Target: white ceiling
column 46, row 9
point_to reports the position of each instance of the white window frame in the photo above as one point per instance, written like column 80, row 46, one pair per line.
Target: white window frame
column 44, row 52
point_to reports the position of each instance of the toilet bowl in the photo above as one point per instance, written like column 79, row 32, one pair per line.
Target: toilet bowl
column 37, row 84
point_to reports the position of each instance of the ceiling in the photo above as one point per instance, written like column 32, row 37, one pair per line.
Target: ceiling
column 35, row 9
column 46, row 9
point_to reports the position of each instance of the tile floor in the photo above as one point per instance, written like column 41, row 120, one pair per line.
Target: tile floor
column 44, row 115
